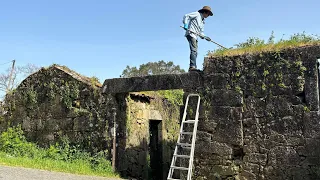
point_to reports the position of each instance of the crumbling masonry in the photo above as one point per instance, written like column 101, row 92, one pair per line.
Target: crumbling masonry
column 259, row 116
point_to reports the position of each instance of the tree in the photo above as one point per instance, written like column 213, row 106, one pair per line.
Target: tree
column 156, row 68
column 152, row 68
column 19, row 72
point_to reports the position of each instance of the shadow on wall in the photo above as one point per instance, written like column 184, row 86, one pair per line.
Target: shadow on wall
column 143, row 162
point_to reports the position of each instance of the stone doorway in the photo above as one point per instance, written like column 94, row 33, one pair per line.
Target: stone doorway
column 155, row 150
column 147, row 133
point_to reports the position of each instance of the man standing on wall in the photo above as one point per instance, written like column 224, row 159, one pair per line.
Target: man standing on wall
column 194, row 22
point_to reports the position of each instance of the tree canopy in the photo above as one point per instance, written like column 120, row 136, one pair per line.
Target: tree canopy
column 152, row 68
column 157, row 68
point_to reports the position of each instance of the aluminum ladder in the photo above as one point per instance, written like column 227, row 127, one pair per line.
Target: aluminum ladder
column 183, row 145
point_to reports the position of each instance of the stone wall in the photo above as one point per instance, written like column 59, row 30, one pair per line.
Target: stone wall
column 260, row 117
column 57, row 102
column 138, row 155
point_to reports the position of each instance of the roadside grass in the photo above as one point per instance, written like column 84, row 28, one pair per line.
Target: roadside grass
column 256, row 45
column 80, row 167
column 16, row 151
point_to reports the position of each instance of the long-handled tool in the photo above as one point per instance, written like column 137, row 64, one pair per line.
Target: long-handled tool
column 201, row 35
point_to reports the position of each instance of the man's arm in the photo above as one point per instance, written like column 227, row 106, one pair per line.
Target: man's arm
column 202, row 32
column 202, row 35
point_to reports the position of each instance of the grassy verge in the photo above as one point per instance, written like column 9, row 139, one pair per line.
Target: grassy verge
column 16, row 151
column 256, row 45
column 77, row 167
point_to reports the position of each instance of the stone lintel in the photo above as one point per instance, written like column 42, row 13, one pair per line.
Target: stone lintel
column 191, row 80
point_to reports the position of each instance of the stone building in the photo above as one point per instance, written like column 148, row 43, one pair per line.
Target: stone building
column 56, row 103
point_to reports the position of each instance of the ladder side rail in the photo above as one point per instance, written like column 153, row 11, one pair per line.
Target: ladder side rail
column 185, row 111
column 171, row 170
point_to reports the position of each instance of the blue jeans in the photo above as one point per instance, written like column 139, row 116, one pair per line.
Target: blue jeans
column 193, row 43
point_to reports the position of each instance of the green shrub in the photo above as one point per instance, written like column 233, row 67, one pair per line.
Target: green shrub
column 100, row 163
column 14, row 143
column 68, row 152
column 52, row 153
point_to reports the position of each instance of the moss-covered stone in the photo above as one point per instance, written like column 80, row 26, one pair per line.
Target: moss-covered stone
column 135, row 150
column 273, row 123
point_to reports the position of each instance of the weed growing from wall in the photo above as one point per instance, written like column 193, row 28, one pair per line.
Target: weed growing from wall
column 173, row 96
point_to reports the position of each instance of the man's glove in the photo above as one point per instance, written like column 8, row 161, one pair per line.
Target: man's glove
column 207, row 38
column 185, row 26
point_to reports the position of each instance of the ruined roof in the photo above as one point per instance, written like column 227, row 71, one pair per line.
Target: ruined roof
column 79, row 77
column 90, row 81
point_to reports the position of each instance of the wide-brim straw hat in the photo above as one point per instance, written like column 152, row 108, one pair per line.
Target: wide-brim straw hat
column 207, row 8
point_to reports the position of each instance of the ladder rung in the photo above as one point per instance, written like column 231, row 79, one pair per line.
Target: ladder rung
column 180, row 168
column 184, row 144
column 187, row 133
column 189, row 121
column 182, row 156
column 172, row 179
column 194, row 95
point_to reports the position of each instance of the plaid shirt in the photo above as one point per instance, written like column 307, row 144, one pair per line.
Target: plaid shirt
column 195, row 23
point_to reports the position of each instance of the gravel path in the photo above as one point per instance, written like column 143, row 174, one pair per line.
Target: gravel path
column 19, row 173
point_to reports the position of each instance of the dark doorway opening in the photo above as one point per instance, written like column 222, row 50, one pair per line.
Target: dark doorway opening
column 155, row 150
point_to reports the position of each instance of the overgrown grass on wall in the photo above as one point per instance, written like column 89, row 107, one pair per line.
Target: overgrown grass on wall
column 15, row 150
column 257, row 45
column 175, row 97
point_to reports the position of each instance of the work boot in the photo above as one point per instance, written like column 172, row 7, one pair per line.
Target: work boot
column 193, row 69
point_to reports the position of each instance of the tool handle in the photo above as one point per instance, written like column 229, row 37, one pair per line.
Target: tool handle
column 201, row 35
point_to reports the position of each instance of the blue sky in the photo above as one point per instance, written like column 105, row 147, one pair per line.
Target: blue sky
column 100, row 37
